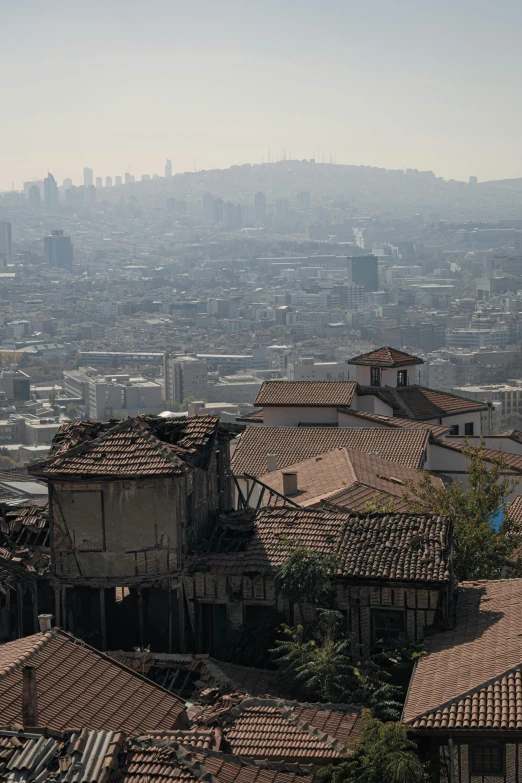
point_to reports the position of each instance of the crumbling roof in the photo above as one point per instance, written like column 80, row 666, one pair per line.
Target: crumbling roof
column 402, row 547
column 471, row 678
column 316, row 393
column 79, row 686
column 24, row 543
column 295, row 444
column 328, row 477
column 140, row 446
column 421, row 403
column 386, row 357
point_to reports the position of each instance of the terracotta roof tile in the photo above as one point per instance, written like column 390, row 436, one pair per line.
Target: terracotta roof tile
column 370, row 546
column 471, row 677
column 316, row 393
column 437, row 430
column 513, row 461
column 514, row 510
column 386, row 357
column 420, row 403
column 81, row 687
column 295, row 444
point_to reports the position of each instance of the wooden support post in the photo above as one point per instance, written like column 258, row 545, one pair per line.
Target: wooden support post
column 103, row 624
column 57, row 613
column 20, row 609
column 169, row 640
column 64, row 608
column 140, row 617
column 181, row 600
column 34, row 599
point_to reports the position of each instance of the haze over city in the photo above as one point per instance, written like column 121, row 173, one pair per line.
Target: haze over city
column 126, row 84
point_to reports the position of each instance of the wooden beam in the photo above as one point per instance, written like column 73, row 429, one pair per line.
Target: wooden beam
column 103, row 622
column 140, row 616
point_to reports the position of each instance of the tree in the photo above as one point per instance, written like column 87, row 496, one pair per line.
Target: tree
column 481, row 551
column 386, row 755
column 304, row 576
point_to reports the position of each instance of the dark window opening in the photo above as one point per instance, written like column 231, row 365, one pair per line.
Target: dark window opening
column 375, row 376
column 468, row 428
column 214, row 627
column 454, row 430
column 402, row 377
column 387, row 626
column 487, row 759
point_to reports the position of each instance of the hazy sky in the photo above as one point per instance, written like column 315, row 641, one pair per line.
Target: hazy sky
column 113, row 84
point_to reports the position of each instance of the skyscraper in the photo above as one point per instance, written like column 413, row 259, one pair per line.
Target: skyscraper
column 119, row 181
column 58, row 250
column 260, row 207
column 50, row 192
column 35, row 199
column 6, row 241
column 88, row 177
column 99, row 182
column 303, row 200
column 108, row 182
column 168, row 168
column 363, row 270
column 67, row 183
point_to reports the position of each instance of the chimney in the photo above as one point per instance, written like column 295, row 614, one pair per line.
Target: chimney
column 45, row 621
column 29, row 697
column 271, row 462
column 290, row 482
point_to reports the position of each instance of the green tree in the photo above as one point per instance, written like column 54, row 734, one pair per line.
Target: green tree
column 72, row 411
column 481, row 552
column 386, row 754
column 304, row 576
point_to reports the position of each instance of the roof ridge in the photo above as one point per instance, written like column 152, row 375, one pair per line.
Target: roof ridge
column 247, row 761
column 465, row 694
column 37, row 646
column 186, row 758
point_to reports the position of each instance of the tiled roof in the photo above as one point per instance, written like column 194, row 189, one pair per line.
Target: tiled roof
column 273, row 729
column 81, row 687
column 437, row 430
column 367, row 546
column 316, row 393
column 140, row 446
column 513, row 461
column 515, row 435
column 386, row 357
column 514, row 510
column 420, row 403
column 471, row 677
column 327, row 476
column 295, row 444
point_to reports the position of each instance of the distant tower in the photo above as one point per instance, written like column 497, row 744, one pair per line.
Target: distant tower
column 6, row 241
column 473, row 180
column 88, row 177
column 67, row 183
column 108, row 182
column 168, row 168
column 99, row 182
column 58, row 251
column 50, row 192
column 119, row 181
column 35, row 198
column 260, row 207
column 91, row 194
column 303, row 200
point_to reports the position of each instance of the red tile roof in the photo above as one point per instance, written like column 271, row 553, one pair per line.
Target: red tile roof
column 327, row 477
column 295, row 444
column 80, row 687
column 386, row 357
column 513, row 461
column 306, row 393
column 471, row 677
column 273, row 729
column 437, row 430
column 390, row 547
column 421, row 404
column 514, row 510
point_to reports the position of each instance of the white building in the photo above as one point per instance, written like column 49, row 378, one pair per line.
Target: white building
column 185, row 376
column 307, row 369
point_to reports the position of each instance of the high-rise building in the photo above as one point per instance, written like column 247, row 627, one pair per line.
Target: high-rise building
column 282, row 207
column 185, row 376
column 108, row 182
column 67, row 183
column 35, row 199
column 6, row 241
column 99, row 182
column 168, row 168
column 303, row 200
column 145, row 177
column 260, row 207
column 363, row 270
column 50, row 192
column 58, row 250
column 207, row 205
column 88, row 177
column 119, row 181
column 91, row 194
column 129, row 177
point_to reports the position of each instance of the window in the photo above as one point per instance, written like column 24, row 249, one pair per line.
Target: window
column 402, row 377
column 487, row 759
column 454, row 430
column 387, row 625
column 468, row 428
column 375, row 375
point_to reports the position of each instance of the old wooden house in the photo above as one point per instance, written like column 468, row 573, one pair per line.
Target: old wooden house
column 465, row 697
column 128, row 501
column 394, row 571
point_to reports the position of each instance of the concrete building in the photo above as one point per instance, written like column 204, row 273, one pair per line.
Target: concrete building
column 88, row 177
column 185, row 376
column 307, row 369
column 58, row 250
column 363, row 270
column 6, row 242
column 50, row 192
column 496, row 337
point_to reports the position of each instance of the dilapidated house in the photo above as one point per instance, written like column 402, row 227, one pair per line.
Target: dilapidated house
column 128, row 501
column 394, row 572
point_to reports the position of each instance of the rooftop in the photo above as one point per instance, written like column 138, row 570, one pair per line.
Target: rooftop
column 306, row 393
column 386, row 357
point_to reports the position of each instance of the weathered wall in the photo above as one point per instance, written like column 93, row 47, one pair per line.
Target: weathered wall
column 462, row 763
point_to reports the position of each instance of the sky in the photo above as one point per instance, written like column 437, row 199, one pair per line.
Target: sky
column 120, row 85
